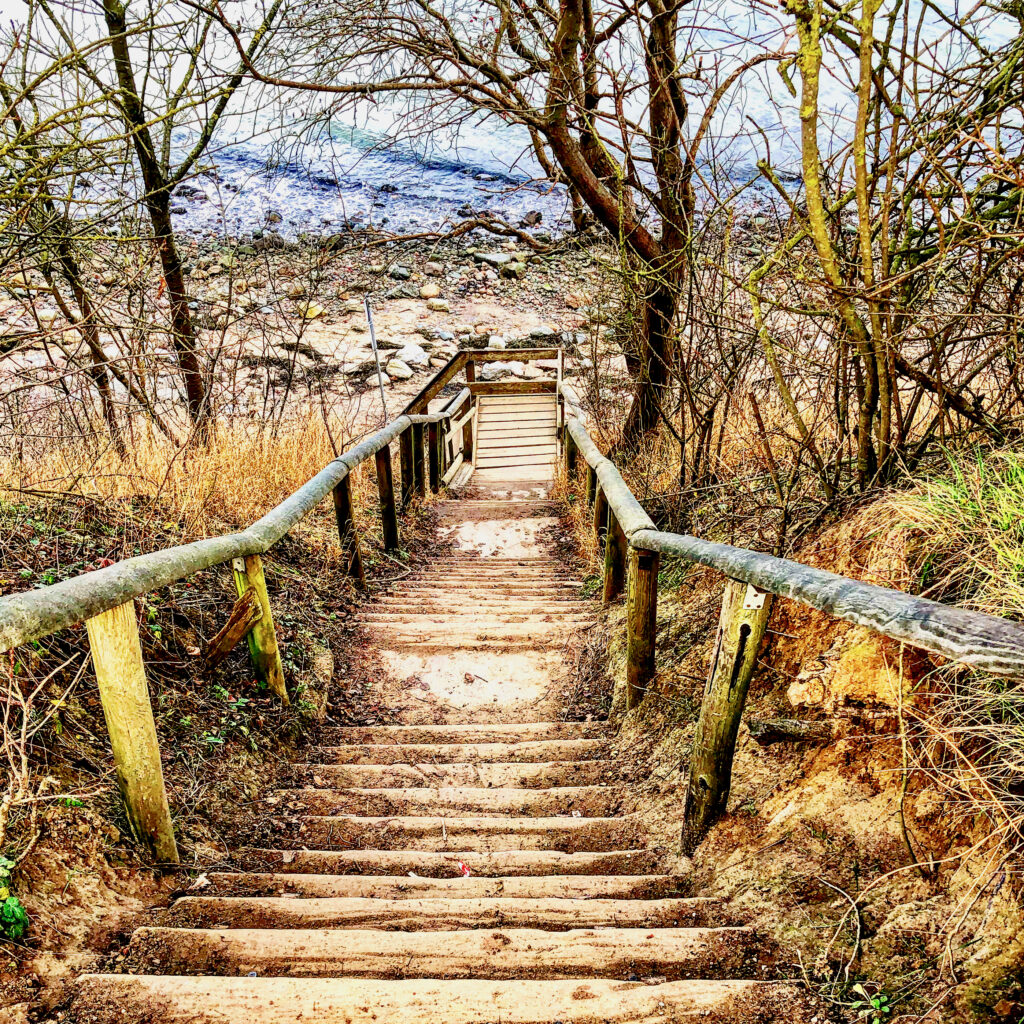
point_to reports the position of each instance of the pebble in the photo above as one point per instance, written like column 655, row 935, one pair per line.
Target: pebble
column 413, row 355
column 496, row 341
column 438, row 306
column 433, row 269
column 399, row 273
column 398, row 370
column 431, row 290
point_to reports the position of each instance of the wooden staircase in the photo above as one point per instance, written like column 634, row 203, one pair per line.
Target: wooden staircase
column 477, row 864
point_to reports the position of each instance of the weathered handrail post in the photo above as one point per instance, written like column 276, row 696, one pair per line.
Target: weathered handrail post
column 615, row 548
column 467, row 429
column 741, row 627
column 418, row 476
column 434, row 456
column 569, row 450
column 386, row 491
column 591, row 484
column 641, row 623
column 348, row 535
column 600, row 516
column 405, row 449
column 266, row 659
column 117, row 658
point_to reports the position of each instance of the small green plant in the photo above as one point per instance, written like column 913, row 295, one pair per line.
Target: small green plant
column 873, row 1008
column 13, row 916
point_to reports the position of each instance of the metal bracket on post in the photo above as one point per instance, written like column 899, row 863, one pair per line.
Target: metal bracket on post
column 753, row 599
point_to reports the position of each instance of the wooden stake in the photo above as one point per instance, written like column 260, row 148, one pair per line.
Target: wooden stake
column 419, row 482
column 600, row 516
column 467, row 438
column 266, row 659
column 614, row 559
column 405, row 448
column 386, row 490
column 642, row 622
column 245, row 614
column 117, row 658
column 434, row 457
column 740, row 629
column 591, row 484
column 348, row 535
column 569, row 449
column 470, row 371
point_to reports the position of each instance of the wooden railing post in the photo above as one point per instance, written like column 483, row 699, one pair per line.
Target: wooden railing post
column 741, row 626
column 467, row 434
column 386, row 490
column 470, row 371
column 266, row 659
column 434, row 456
column 614, row 559
column 600, row 516
column 591, row 484
column 569, row 450
column 117, row 658
column 348, row 535
column 405, row 449
column 641, row 623
column 419, row 481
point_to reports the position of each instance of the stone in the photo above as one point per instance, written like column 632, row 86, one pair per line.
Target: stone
column 513, row 271
column 296, row 290
column 246, row 250
column 531, row 372
column 434, row 269
column 438, row 306
column 494, row 259
column 496, row 341
column 413, row 355
column 518, row 368
column 273, row 217
column 399, row 273
column 542, row 333
column 312, row 311
column 403, row 291
column 531, row 219
column 492, row 371
column 438, row 363
column 431, row 290
column 398, row 370
column 386, row 341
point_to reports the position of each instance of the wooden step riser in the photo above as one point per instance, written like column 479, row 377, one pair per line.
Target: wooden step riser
column 487, row 776
column 670, row 953
column 589, row 801
column 506, row 863
column 484, row 733
column 398, row 887
column 426, row 915
column 461, row 753
column 110, row 998
column 569, row 835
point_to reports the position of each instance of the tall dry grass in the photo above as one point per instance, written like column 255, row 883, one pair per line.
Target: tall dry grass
column 240, row 475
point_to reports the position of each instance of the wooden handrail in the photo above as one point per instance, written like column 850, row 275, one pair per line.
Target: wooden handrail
column 970, row 638
column 103, row 599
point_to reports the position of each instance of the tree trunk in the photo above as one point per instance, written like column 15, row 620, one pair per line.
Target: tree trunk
column 158, row 205
column 657, row 341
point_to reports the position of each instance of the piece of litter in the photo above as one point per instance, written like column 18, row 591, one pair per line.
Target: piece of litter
column 464, row 868
column 200, row 883
column 577, row 814
column 412, row 874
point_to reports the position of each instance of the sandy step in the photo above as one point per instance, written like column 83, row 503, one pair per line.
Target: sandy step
column 445, row 914
column 405, row 776
column 108, row 998
column 470, row 620
column 395, row 887
column 470, row 733
column 451, row 753
column 570, row 835
column 498, row 629
column 450, row 864
column 669, row 953
column 457, row 604
column 589, row 801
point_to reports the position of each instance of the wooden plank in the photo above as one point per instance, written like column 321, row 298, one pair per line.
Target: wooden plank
column 489, row 452
column 510, row 387
column 515, row 460
column 525, row 441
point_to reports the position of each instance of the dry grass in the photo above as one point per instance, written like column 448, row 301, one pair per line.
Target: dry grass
column 245, row 471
